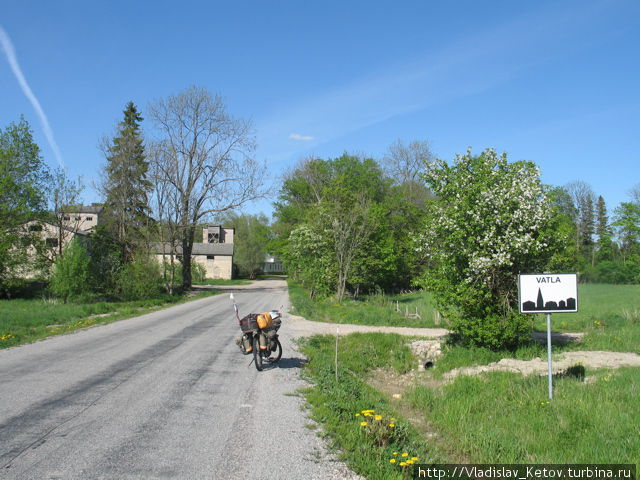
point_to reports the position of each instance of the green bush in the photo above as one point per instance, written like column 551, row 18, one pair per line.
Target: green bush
column 198, row 272
column 106, row 262
column 140, row 279
column 616, row 272
column 495, row 331
column 71, row 272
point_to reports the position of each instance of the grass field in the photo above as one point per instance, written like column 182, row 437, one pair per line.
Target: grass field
column 596, row 302
column 377, row 309
column 498, row 417
column 26, row 320
column 506, row 418
column 608, row 315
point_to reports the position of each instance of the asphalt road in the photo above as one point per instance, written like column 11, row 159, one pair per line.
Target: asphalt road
column 163, row 395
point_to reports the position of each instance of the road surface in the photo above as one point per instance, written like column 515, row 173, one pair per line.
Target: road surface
column 163, row 395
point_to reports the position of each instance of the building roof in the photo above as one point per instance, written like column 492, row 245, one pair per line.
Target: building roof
column 198, row 248
column 96, row 209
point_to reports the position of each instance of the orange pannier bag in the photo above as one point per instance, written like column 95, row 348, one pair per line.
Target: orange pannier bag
column 264, row 320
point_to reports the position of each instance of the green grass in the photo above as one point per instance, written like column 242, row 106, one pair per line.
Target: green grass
column 335, row 403
column 377, row 309
column 27, row 320
column 596, row 302
column 492, row 418
column 505, row 418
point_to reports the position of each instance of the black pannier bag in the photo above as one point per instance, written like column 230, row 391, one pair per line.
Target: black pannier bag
column 249, row 322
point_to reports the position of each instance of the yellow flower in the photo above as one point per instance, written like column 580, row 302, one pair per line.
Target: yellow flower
column 403, row 464
column 405, row 454
column 393, row 460
column 414, row 459
column 378, row 417
column 363, row 424
column 393, row 419
column 392, row 425
column 395, row 453
column 357, row 414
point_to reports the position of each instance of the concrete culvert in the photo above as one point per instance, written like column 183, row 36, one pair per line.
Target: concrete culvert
column 428, row 364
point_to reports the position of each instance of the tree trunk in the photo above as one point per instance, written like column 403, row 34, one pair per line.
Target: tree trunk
column 187, row 247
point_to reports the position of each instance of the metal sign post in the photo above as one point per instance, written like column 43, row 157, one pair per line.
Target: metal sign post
column 548, row 293
column 549, row 356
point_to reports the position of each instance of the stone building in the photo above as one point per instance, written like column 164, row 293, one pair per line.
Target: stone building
column 215, row 253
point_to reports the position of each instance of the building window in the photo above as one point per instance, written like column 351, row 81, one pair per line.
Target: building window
column 51, row 242
column 88, row 219
column 78, row 219
column 214, row 238
column 211, row 257
column 66, row 219
column 35, row 228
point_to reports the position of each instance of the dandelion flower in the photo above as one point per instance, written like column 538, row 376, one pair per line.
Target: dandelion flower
column 414, row 459
column 392, row 425
column 378, row 417
column 363, row 424
column 403, row 464
column 405, row 454
column 393, row 460
column 395, row 453
column 357, row 414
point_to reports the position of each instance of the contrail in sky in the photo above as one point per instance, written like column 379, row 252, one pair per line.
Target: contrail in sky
column 7, row 46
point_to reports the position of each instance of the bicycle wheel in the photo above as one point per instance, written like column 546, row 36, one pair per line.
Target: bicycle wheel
column 257, row 354
column 279, row 350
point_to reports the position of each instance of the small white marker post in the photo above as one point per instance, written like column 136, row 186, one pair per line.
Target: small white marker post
column 337, row 335
column 548, row 293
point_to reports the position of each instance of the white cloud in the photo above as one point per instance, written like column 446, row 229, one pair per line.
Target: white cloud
column 9, row 51
column 302, row 138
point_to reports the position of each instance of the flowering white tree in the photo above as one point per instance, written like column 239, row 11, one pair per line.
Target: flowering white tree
column 490, row 221
column 308, row 257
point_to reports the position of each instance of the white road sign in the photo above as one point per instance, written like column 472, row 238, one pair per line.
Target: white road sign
column 548, row 293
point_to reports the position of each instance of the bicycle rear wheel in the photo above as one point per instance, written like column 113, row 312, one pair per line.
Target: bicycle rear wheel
column 257, row 354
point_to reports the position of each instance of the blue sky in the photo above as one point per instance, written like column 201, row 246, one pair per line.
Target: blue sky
column 555, row 82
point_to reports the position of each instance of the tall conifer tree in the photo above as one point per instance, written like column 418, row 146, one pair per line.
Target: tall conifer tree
column 126, row 185
column 587, row 227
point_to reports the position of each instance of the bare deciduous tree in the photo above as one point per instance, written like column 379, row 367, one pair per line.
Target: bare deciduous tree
column 405, row 164
column 64, row 201
column 165, row 203
column 350, row 228
column 206, row 160
column 635, row 193
column 584, row 200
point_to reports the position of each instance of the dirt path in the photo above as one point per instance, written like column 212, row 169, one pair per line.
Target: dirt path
column 301, row 327
column 538, row 366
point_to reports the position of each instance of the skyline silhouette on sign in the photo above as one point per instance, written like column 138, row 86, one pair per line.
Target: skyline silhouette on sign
column 540, row 305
